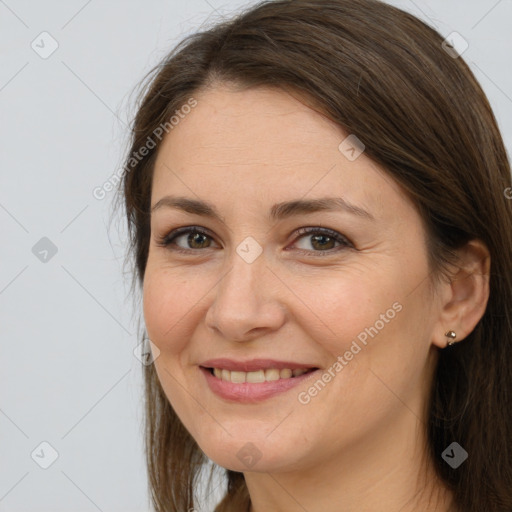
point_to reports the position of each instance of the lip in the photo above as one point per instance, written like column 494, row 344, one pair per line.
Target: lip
column 248, row 392
column 254, row 365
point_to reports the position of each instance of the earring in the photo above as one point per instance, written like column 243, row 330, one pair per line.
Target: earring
column 452, row 335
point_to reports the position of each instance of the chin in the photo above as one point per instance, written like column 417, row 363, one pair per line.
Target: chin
column 258, row 452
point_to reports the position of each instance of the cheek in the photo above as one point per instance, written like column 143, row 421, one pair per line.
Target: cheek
column 337, row 308
column 168, row 301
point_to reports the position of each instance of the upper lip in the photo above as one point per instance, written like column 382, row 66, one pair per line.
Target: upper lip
column 254, row 364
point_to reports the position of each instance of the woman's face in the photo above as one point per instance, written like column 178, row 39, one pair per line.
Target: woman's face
column 346, row 299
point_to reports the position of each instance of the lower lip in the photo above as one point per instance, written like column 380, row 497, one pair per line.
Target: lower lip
column 248, row 392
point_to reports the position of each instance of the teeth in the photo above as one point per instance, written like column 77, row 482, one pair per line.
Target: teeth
column 258, row 376
column 254, row 377
column 237, row 377
column 272, row 374
column 285, row 374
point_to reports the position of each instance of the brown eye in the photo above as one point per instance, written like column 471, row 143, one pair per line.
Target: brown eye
column 323, row 240
column 195, row 238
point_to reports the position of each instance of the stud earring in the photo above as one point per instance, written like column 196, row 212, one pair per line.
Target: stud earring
column 452, row 335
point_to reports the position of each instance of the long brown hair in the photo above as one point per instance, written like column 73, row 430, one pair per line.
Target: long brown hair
column 383, row 75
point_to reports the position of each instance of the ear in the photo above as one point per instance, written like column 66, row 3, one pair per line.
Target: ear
column 464, row 298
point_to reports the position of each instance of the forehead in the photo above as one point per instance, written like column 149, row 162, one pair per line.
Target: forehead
column 239, row 126
column 265, row 144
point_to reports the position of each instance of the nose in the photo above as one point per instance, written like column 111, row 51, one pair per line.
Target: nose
column 247, row 302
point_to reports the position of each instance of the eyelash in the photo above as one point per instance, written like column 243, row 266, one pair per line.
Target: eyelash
column 167, row 240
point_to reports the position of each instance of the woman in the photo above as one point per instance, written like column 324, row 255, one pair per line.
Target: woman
column 316, row 194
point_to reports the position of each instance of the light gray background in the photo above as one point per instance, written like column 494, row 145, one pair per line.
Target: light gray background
column 68, row 327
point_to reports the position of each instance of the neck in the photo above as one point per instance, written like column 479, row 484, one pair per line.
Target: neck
column 391, row 471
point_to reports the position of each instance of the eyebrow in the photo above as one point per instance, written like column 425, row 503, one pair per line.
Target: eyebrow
column 277, row 212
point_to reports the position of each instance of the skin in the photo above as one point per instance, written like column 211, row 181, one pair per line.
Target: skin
column 358, row 445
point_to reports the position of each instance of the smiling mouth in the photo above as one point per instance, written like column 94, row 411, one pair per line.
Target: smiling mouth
column 258, row 376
